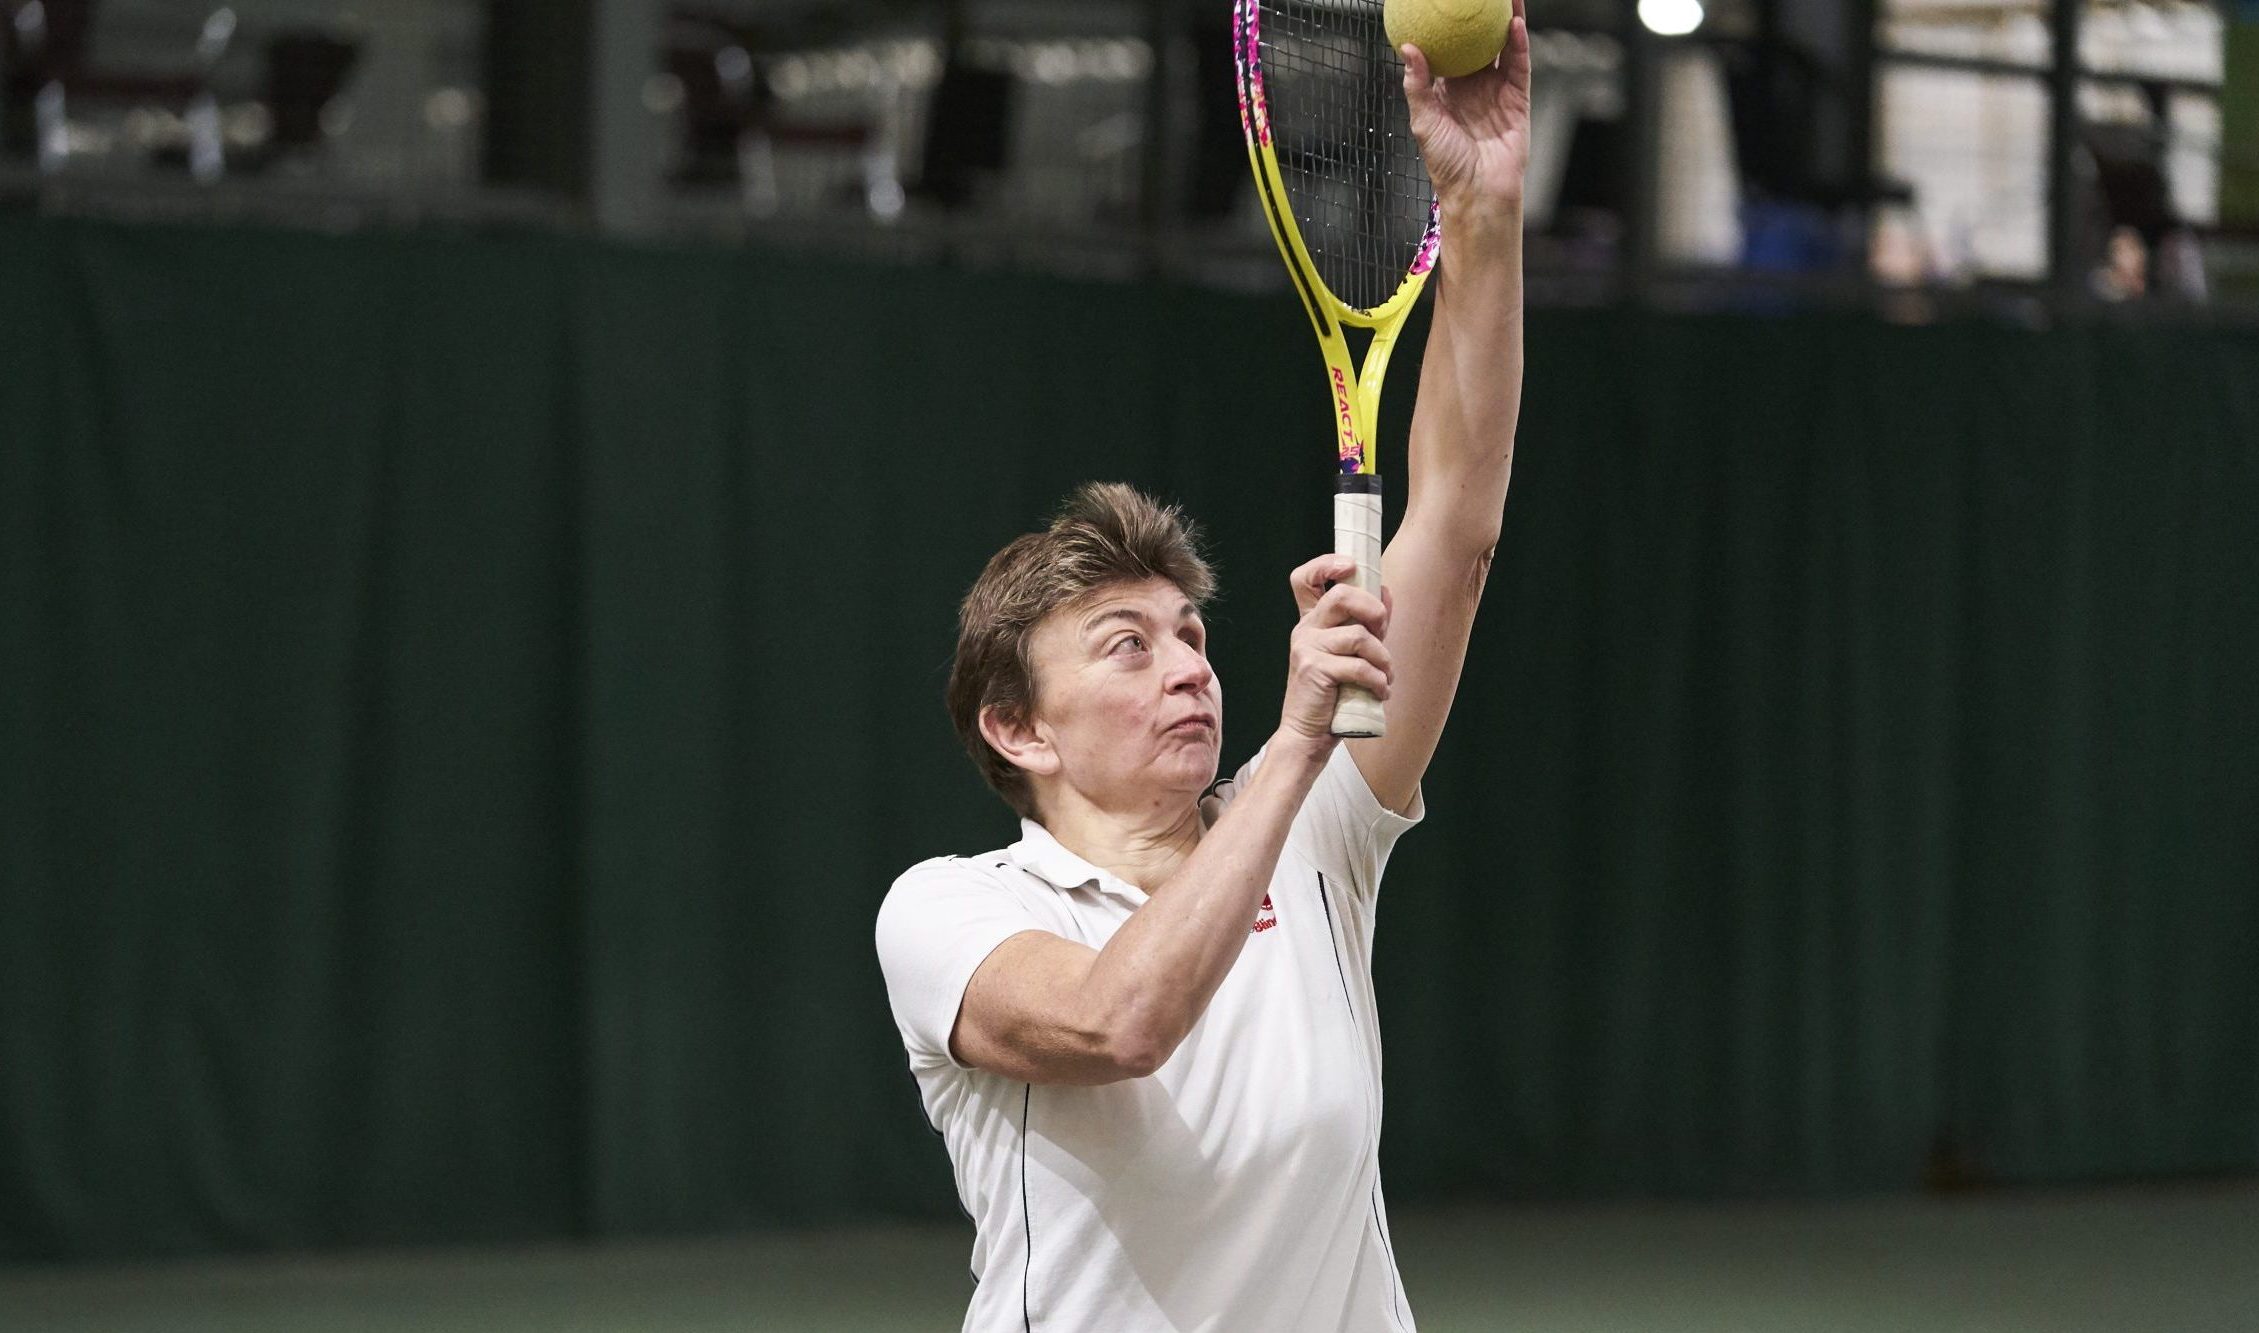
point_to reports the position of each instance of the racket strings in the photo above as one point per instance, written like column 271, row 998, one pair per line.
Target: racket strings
column 1344, row 143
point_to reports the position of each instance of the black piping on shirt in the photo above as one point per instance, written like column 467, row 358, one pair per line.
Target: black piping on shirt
column 1325, row 900
column 1027, row 1217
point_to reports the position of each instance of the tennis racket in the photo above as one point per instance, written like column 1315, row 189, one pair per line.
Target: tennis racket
column 1321, row 100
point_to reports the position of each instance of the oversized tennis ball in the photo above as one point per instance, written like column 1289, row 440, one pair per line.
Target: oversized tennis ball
column 1457, row 36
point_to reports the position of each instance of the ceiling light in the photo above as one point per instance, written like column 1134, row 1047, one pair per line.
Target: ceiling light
column 1671, row 18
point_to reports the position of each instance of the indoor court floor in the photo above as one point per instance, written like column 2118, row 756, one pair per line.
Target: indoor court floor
column 2146, row 1260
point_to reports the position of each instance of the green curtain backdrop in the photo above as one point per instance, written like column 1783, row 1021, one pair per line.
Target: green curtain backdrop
column 462, row 699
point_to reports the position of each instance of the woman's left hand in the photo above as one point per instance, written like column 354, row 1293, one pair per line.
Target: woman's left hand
column 1474, row 131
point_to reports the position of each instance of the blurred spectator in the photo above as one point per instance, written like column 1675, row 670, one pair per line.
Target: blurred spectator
column 2124, row 274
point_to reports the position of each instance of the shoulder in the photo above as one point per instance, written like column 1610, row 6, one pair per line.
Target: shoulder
column 1342, row 828
column 938, row 870
column 947, row 875
column 1340, row 791
column 946, row 889
column 941, row 919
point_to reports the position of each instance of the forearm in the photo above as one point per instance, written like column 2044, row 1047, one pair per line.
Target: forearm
column 1470, row 393
column 1154, row 979
column 1462, row 454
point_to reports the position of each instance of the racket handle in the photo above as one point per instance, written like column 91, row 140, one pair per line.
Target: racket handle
column 1357, row 534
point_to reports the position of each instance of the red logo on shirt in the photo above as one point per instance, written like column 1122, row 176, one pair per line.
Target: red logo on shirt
column 1265, row 917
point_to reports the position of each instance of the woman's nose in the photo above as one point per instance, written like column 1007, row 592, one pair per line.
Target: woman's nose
column 1190, row 671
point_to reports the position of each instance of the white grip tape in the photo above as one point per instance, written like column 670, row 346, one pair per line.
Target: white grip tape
column 1357, row 534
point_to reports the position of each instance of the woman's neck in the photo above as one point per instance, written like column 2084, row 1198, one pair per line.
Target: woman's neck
column 1144, row 846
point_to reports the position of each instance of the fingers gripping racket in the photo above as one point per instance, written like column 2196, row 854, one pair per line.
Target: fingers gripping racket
column 1340, row 179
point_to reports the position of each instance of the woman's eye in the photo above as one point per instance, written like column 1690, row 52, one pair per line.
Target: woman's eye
column 1134, row 643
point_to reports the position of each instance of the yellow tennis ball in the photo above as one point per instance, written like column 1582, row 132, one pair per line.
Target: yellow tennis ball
column 1457, row 36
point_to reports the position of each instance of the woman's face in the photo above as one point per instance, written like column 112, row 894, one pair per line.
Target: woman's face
column 1125, row 697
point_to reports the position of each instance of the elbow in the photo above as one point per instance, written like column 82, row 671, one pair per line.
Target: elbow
column 1135, row 1054
column 1128, row 1044
column 1460, row 537
column 1131, row 1034
column 1474, row 562
column 1482, row 557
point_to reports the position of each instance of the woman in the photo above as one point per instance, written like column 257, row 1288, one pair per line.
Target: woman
column 1146, row 1030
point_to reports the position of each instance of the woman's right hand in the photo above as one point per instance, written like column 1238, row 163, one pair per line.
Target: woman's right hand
column 1338, row 642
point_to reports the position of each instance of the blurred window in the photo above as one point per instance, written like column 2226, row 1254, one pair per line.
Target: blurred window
column 1972, row 147
column 247, row 97
column 1961, row 122
column 2012, row 32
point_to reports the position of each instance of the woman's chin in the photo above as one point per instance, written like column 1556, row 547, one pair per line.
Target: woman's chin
column 1190, row 767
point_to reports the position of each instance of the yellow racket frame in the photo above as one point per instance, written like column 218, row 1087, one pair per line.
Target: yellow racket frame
column 1355, row 392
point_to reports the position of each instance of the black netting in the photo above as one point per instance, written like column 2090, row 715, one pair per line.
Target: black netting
column 1344, row 142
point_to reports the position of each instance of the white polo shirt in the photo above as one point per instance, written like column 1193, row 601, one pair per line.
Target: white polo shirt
column 1236, row 1189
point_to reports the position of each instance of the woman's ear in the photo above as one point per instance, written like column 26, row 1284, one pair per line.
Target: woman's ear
column 1017, row 737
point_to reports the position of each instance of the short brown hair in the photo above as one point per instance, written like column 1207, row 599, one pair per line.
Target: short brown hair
column 1106, row 533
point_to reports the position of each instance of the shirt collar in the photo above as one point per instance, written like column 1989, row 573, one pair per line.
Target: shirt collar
column 1043, row 854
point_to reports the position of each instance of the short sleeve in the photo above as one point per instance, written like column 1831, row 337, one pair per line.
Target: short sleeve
column 939, row 923
column 1342, row 827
